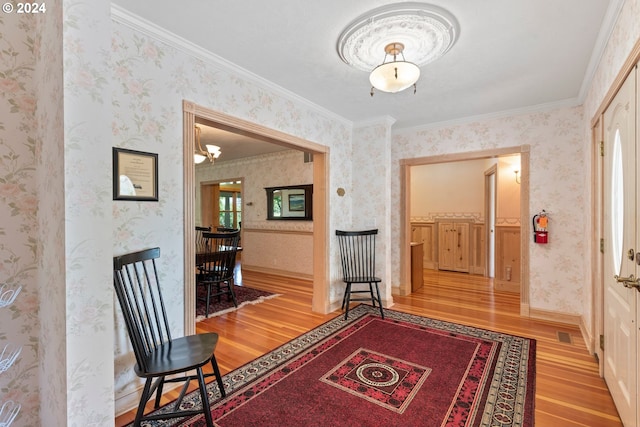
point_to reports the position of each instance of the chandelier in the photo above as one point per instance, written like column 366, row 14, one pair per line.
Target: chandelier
column 396, row 75
column 421, row 31
column 200, row 155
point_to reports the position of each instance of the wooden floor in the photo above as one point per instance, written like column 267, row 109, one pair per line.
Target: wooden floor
column 569, row 391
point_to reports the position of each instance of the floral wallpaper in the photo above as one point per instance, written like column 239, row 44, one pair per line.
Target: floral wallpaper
column 622, row 40
column 51, row 227
column 152, row 75
column 292, row 251
column 370, row 195
column 555, row 138
column 19, row 323
column 268, row 170
column 95, row 79
column 87, row 220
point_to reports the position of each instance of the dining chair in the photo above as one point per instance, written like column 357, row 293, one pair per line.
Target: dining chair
column 226, row 229
column 160, row 358
column 200, row 238
column 217, row 265
column 358, row 259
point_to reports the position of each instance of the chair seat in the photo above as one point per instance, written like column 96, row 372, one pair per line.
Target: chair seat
column 180, row 355
column 362, row 279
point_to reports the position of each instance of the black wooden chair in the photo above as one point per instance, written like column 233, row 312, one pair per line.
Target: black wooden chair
column 200, row 238
column 226, row 229
column 217, row 265
column 158, row 355
column 358, row 258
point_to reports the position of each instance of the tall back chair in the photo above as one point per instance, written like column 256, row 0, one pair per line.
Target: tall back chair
column 226, row 229
column 200, row 237
column 217, row 266
column 358, row 258
column 158, row 355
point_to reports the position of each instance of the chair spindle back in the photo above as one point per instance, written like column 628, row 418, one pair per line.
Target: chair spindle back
column 138, row 289
column 220, row 259
column 200, row 238
column 357, row 253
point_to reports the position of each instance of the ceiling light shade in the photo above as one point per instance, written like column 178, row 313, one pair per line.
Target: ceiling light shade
column 200, row 155
column 394, row 76
column 214, row 150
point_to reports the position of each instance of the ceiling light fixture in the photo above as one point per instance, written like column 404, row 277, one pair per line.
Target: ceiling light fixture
column 396, row 75
column 419, row 31
column 200, row 155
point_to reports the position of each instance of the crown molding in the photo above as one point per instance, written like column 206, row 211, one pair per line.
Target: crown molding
column 374, row 121
column 141, row 25
column 606, row 29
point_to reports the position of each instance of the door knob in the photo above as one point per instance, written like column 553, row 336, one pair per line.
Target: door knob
column 629, row 282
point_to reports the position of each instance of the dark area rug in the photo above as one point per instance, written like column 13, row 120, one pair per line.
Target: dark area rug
column 404, row 370
column 224, row 304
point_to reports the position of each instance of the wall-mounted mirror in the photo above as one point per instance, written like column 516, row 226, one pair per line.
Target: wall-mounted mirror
column 293, row 202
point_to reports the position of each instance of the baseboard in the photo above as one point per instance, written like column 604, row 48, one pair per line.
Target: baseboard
column 504, row 286
column 130, row 400
column 477, row 270
column 431, row 265
column 589, row 339
column 397, row 290
column 276, row 272
column 557, row 317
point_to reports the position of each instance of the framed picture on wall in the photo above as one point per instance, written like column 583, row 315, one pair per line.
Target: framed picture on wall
column 135, row 175
column 296, row 202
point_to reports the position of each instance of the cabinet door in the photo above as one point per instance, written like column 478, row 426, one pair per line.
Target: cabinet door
column 416, row 234
column 453, row 246
column 430, row 246
column 461, row 246
column 446, row 255
column 477, row 243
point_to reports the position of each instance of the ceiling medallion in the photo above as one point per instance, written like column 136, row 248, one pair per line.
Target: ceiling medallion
column 424, row 31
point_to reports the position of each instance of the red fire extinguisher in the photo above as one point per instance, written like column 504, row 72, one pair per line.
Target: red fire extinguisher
column 540, row 227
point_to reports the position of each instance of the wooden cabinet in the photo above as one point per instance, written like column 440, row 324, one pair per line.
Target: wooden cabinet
column 424, row 232
column 478, row 249
column 453, row 246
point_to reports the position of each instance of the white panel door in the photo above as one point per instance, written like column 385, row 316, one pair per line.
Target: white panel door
column 621, row 239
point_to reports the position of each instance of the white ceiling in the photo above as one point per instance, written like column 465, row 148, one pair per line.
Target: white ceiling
column 511, row 55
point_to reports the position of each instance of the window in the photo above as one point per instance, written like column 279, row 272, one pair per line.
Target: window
column 230, row 206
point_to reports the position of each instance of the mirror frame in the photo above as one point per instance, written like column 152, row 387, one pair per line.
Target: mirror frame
column 306, row 214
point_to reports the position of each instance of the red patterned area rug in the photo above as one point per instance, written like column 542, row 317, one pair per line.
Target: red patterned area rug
column 224, row 304
column 405, row 370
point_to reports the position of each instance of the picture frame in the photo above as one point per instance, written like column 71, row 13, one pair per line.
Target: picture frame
column 135, row 175
column 296, row 202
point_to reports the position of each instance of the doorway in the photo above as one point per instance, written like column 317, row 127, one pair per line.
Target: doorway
column 519, row 242
column 490, row 219
column 220, row 204
column 191, row 112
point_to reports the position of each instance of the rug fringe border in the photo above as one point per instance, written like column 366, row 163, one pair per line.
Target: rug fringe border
column 232, row 309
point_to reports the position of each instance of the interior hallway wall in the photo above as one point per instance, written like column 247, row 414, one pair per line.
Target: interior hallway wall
column 556, row 275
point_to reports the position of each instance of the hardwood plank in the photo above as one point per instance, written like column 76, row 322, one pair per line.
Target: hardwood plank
column 569, row 391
